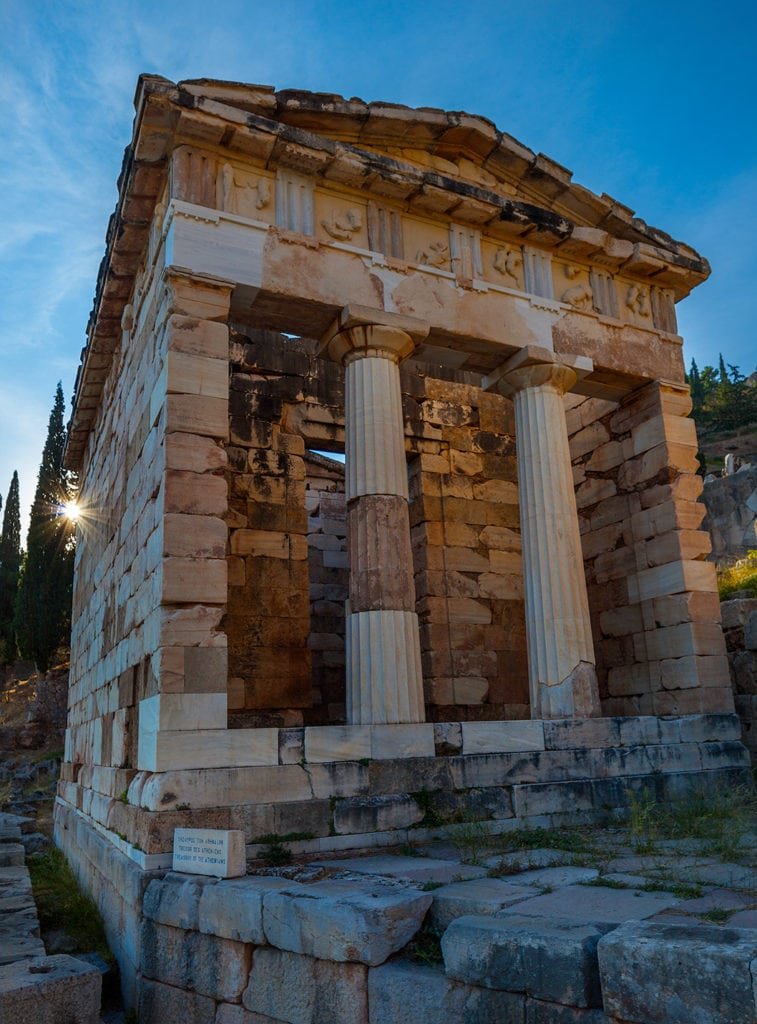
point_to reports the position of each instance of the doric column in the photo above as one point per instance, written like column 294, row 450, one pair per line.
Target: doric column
column 562, row 676
column 384, row 680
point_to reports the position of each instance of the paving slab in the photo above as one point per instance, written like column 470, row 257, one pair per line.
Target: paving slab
column 556, row 876
column 412, row 869
column 526, row 860
column 715, row 899
column 729, row 875
column 743, row 919
column 590, row 904
column 480, row 896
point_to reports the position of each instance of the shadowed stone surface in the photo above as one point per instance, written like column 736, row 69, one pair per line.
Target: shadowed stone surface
column 50, row 990
column 344, row 921
column 654, row 973
column 548, row 959
column 588, row 904
column 405, row 993
column 301, row 990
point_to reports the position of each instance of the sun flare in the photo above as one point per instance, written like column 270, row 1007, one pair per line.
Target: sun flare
column 72, row 511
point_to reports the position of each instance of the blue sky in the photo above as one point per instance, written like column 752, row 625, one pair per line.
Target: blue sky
column 652, row 103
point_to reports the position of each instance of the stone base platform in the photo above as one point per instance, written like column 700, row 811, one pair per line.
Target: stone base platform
column 348, row 788
column 540, row 935
column 116, row 827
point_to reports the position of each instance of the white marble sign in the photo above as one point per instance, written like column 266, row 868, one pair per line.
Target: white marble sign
column 209, row 851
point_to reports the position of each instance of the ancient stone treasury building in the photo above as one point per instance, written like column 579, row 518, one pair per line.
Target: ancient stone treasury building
column 499, row 600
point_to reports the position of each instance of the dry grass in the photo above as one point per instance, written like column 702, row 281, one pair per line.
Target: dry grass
column 741, row 576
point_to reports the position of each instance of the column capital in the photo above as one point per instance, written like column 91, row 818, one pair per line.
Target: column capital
column 533, row 367
column 360, row 331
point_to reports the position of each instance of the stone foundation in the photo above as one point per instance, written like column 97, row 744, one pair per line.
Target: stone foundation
column 360, row 787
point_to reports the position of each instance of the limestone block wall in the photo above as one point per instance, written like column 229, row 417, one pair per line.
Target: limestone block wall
column 151, row 570
column 287, row 578
column 653, row 597
column 118, row 555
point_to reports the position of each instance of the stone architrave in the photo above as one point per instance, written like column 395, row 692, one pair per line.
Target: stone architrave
column 561, row 663
column 384, row 679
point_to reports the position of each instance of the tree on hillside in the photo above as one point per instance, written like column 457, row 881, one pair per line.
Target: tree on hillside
column 43, row 604
column 10, row 562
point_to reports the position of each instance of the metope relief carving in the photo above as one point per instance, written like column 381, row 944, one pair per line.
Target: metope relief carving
column 239, row 193
column 578, row 295
column 507, row 263
column 342, row 225
column 435, row 254
column 637, row 300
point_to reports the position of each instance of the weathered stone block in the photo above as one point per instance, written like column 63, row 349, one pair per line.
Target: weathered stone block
column 158, row 1002
column 49, row 990
column 375, row 813
column 478, row 896
column 174, row 900
column 233, row 909
column 408, row 993
column 653, row 973
column 191, row 960
column 302, row 990
column 554, row 960
column 362, row 921
column 539, row 1012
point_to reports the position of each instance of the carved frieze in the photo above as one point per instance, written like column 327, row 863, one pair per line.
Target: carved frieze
column 637, row 300
column 579, row 294
column 385, row 230
column 465, row 252
column 295, row 202
column 604, row 295
column 537, row 266
column 506, row 262
column 664, row 310
column 435, row 254
column 342, row 224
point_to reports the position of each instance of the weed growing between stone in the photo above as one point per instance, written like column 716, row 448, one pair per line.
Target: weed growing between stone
column 63, row 908
column 717, row 818
column 426, row 947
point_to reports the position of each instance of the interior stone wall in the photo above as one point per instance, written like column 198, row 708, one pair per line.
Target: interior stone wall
column 328, row 561
column 288, row 562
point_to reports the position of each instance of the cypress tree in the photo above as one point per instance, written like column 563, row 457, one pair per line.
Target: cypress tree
column 43, row 604
column 10, row 562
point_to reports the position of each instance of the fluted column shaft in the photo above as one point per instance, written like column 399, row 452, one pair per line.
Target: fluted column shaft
column 562, row 676
column 384, row 679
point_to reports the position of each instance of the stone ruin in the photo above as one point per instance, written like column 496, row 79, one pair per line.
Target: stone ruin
column 498, row 608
